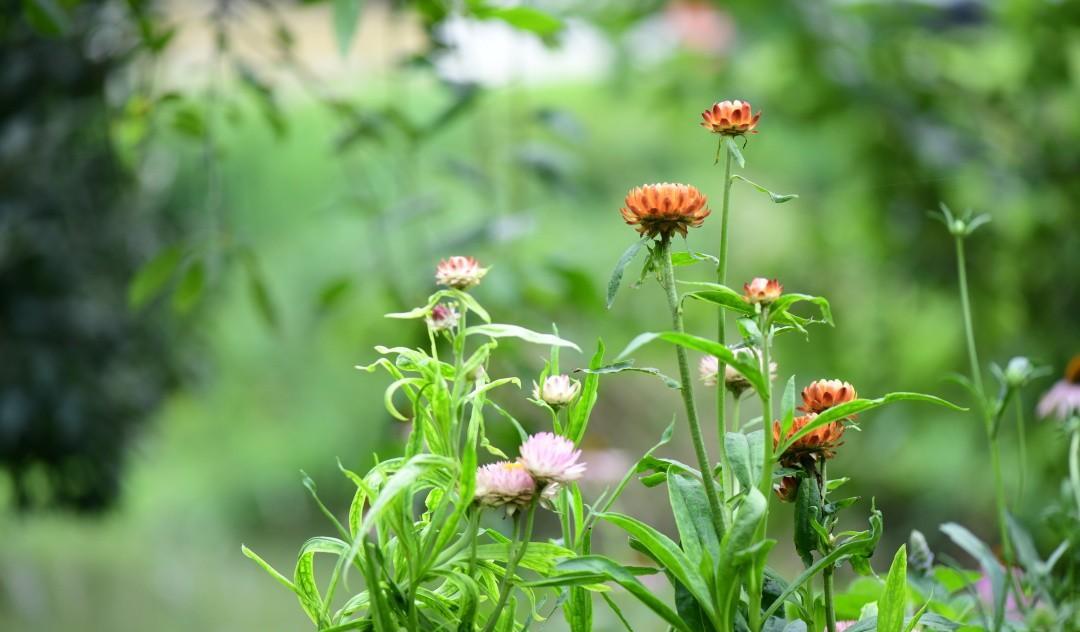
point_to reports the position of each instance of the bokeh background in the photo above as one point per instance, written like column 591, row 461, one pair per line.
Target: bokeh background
column 206, row 207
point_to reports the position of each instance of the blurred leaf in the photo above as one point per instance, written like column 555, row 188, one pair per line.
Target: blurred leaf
column 628, row 365
column 992, row 569
column 497, row 330
column 894, row 598
column 152, row 277
column 46, row 17
column 190, row 288
column 520, row 17
column 188, row 120
column 264, row 96
column 620, row 267
column 346, row 20
column 332, row 293
column 264, row 304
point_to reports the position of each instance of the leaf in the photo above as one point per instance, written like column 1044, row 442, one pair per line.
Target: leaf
column 628, row 365
column 620, row 268
column 734, row 545
column 729, row 143
column 581, row 409
column 522, row 18
column 690, row 258
column 496, row 330
column 721, row 295
column 152, row 277
column 346, row 21
column 598, row 565
column 332, row 293
column 894, row 598
column 856, row 406
column 260, row 296
column 47, row 17
column 807, row 511
column 740, row 363
column 266, row 567
column 745, row 453
column 690, row 507
column 778, row 198
column 664, row 550
column 987, row 561
column 787, row 407
column 190, row 288
column 779, row 310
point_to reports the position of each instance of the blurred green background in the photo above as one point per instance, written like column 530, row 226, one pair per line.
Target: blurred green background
column 207, row 207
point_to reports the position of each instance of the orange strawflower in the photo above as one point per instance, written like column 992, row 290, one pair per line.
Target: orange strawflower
column 762, row 290
column 822, row 395
column 820, row 443
column 661, row 209
column 731, row 118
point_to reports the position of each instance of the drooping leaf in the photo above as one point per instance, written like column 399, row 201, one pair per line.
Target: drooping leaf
column 690, row 506
column 778, row 198
column 496, row 330
column 620, row 268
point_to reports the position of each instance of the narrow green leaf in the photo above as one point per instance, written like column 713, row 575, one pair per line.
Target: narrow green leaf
column 856, row 406
column 496, row 330
column 992, row 569
column 523, row 18
column 152, row 277
column 620, row 268
column 787, row 406
column 807, row 511
column 598, row 565
column 740, row 363
column 581, row 409
column 628, row 365
column 894, row 598
column 190, row 288
column 346, row 20
column 268, row 568
column 778, row 198
column 729, row 142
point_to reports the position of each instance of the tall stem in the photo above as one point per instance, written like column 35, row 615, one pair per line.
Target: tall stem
column 1021, row 446
column 988, row 423
column 830, row 611
column 512, row 564
column 721, row 337
column 686, row 388
column 756, row 586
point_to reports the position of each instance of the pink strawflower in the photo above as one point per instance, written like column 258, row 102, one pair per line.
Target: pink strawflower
column 708, row 370
column 1062, row 401
column 504, row 484
column 551, row 459
column 460, row 273
column 762, row 290
column 443, row 317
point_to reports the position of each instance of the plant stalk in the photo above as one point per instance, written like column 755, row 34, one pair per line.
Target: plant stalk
column 758, row 579
column 830, row 610
column 686, row 388
column 1021, row 447
column 976, row 379
column 727, row 479
column 512, row 563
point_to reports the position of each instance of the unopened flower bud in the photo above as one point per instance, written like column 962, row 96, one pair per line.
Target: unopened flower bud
column 920, row 557
column 443, row 318
column 557, row 390
column 1019, row 372
column 762, row 291
column 460, row 273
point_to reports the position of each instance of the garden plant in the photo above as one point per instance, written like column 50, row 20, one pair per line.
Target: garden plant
column 442, row 537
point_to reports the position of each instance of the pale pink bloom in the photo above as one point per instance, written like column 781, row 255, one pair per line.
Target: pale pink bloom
column 504, row 483
column 460, row 273
column 985, row 590
column 708, row 369
column 551, row 459
column 1062, row 401
column 762, row 290
column 443, row 317
column 557, row 390
column 843, row 625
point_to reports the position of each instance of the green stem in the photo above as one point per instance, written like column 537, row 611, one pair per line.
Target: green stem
column 1021, row 447
column 830, row 611
column 758, row 580
column 727, row 479
column 686, row 388
column 1074, row 465
column 988, row 422
column 512, row 564
column 474, row 536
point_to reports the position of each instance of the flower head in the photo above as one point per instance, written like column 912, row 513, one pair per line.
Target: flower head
column 551, row 459
column 504, row 483
column 819, row 443
column 762, row 291
column 443, row 317
column 557, row 390
column 661, row 209
column 731, row 118
column 735, row 382
column 787, row 488
column 460, row 273
column 1062, row 401
column 822, row 395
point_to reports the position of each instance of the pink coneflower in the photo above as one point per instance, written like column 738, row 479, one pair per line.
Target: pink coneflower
column 1062, row 401
column 504, row 484
column 762, row 290
column 460, row 273
column 557, row 390
column 551, row 459
column 443, row 317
